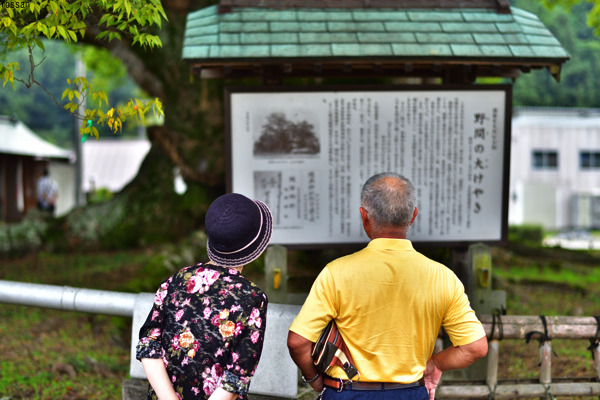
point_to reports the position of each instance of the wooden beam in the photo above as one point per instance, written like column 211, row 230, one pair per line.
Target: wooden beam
column 525, row 391
column 516, row 326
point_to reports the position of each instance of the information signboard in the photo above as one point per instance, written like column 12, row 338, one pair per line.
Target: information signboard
column 307, row 152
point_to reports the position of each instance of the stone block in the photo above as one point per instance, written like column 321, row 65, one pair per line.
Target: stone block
column 135, row 389
column 141, row 308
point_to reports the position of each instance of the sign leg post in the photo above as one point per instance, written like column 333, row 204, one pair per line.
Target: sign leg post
column 276, row 274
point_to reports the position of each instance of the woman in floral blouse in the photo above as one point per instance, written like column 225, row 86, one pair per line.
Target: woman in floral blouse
column 204, row 335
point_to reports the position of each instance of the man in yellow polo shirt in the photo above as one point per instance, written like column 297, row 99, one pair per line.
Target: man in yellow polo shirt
column 389, row 303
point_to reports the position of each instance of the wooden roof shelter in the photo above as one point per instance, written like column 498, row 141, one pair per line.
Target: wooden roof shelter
column 456, row 40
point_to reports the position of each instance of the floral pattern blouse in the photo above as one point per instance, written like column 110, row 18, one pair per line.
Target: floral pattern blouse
column 208, row 326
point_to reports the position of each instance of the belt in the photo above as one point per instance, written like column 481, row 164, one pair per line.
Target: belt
column 339, row 384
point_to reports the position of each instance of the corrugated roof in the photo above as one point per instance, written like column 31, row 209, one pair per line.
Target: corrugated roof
column 17, row 138
column 259, row 33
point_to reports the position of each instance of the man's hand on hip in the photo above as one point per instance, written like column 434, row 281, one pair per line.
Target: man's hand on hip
column 432, row 377
column 318, row 384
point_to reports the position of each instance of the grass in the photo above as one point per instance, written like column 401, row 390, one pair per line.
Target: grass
column 52, row 354
column 48, row 354
column 553, row 282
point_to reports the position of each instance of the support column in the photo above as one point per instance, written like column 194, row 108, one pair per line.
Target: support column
column 276, row 274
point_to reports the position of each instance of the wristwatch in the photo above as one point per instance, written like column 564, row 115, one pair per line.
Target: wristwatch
column 310, row 380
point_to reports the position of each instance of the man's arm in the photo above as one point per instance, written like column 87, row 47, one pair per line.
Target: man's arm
column 455, row 357
column 300, row 349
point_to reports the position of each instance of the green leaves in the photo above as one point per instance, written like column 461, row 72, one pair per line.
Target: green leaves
column 7, row 73
column 114, row 116
column 23, row 27
column 64, row 20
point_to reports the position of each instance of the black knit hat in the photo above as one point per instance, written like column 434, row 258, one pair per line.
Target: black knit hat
column 238, row 230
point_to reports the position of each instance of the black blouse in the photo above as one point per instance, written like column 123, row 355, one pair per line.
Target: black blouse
column 208, row 326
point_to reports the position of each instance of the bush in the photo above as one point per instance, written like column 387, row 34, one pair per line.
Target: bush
column 532, row 234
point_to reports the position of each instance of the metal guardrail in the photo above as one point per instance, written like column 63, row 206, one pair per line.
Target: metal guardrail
column 276, row 375
column 512, row 327
column 67, row 298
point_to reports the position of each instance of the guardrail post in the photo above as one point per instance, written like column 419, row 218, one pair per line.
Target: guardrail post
column 596, row 353
column 439, row 346
column 492, row 363
column 546, row 366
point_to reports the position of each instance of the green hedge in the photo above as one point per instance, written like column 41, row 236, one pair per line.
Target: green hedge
column 526, row 233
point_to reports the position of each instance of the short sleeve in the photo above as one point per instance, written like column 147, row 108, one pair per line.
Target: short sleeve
column 319, row 308
column 246, row 351
column 460, row 321
column 149, row 345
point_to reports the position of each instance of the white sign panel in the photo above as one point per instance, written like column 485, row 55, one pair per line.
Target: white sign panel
column 306, row 154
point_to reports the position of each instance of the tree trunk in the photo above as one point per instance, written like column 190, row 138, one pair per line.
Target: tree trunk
column 191, row 139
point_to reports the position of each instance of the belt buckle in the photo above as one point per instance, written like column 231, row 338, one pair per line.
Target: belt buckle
column 341, row 385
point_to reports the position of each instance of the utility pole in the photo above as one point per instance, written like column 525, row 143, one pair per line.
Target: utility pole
column 79, row 195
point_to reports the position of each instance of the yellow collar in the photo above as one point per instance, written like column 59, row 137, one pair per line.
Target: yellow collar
column 391, row 244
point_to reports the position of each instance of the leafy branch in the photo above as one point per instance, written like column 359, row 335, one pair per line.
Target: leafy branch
column 23, row 25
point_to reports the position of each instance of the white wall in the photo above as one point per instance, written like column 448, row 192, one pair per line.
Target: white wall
column 568, row 134
column 64, row 175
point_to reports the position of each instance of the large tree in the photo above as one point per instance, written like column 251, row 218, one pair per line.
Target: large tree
column 190, row 140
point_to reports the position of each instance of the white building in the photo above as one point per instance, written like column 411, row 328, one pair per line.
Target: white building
column 111, row 163
column 23, row 158
column 555, row 167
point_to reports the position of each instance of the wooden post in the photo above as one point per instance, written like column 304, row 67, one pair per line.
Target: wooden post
column 480, row 291
column 597, row 361
column 492, row 363
column 276, row 274
column 546, row 359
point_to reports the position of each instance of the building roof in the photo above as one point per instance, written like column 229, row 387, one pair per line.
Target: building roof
column 256, row 35
column 227, row 5
column 112, row 164
column 556, row 117
column 17, row 138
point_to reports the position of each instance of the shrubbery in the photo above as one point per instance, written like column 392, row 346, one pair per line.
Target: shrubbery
column 532, row 234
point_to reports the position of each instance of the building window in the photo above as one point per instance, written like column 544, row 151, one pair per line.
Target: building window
column 589, row 159
column 545, row 159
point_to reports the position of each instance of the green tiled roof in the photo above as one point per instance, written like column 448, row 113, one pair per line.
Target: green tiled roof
column 259, row 33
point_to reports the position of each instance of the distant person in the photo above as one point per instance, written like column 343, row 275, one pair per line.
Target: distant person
column 389, row 303
column 204, row 335
column 47, row 192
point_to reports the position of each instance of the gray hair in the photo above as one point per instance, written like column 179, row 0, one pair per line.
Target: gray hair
column 390, row 199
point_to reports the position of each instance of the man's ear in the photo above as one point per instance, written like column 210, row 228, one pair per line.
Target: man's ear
column 366, row 221
column 414, row 216
column 364, row 215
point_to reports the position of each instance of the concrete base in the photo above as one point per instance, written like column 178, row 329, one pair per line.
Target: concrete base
column 137, row 389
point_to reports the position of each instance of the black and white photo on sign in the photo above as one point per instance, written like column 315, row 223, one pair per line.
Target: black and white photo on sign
column 280, row 133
